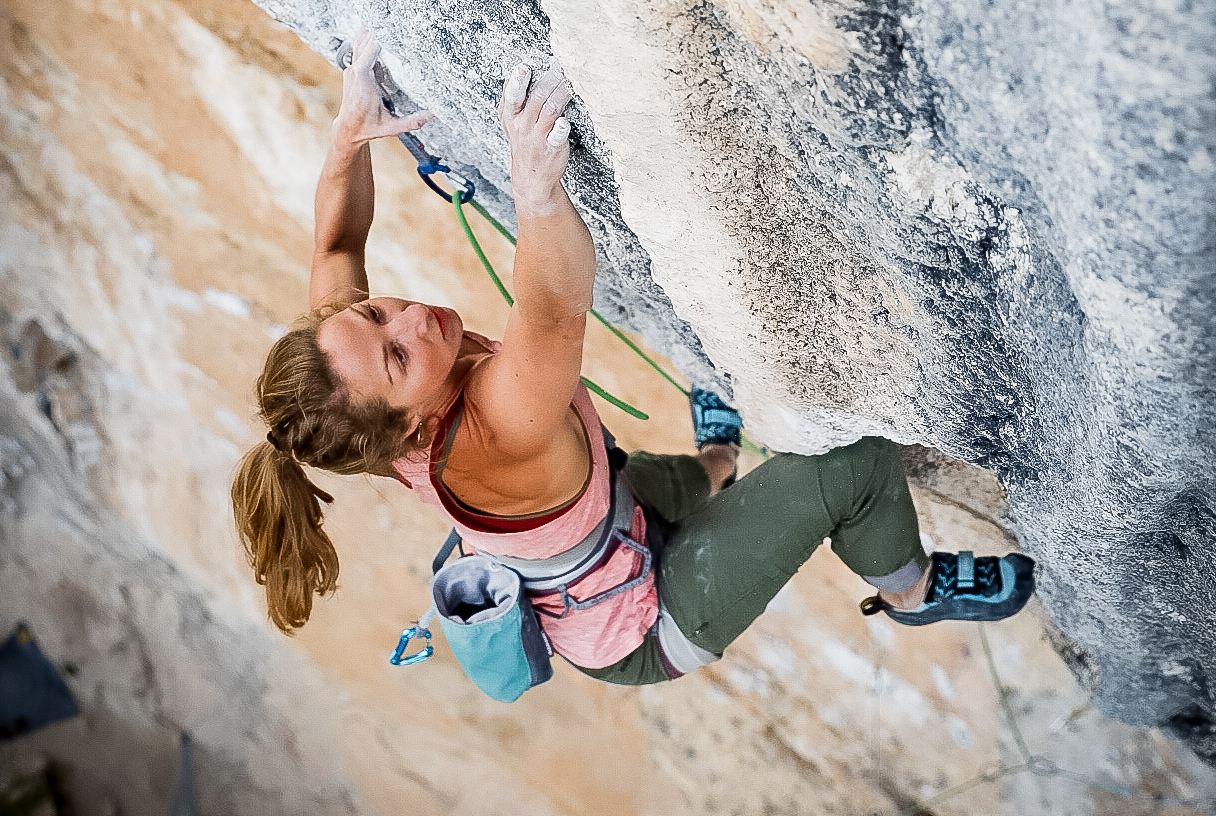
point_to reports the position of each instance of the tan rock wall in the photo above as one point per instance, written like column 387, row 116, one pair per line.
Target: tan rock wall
column 155, row 188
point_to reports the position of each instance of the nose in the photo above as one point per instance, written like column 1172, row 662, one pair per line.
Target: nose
column 412, row 319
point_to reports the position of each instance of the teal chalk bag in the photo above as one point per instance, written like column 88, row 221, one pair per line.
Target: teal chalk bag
column 489, row 624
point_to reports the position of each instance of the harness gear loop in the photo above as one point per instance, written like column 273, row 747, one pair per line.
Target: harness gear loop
column 569, row 603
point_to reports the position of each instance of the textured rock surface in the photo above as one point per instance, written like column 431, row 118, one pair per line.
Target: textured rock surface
column 157, row 163
column 984, row 227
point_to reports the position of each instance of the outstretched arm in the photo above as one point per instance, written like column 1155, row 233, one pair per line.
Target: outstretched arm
column 528, row 387
column 345, row 197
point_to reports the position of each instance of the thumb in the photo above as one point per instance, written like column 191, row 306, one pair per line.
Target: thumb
column 405, row 124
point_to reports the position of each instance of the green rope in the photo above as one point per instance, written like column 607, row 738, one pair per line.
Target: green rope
column 506, row 233
column 468, row 232
column 625, row 339
column 629, row 409
column 502, row 289
column 624, row 406
column 603, row 321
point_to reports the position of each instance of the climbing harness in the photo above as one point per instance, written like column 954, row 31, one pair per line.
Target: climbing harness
column 483, row 600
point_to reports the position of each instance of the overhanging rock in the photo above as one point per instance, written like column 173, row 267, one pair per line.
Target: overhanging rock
column 981, row 226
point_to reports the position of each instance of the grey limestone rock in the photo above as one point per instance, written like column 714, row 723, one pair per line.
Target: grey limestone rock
column 983, row 227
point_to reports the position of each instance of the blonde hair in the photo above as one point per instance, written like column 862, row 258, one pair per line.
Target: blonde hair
column 313, row 422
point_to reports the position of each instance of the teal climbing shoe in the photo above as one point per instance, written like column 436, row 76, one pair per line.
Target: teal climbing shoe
column 963, row 587
column 713, row 421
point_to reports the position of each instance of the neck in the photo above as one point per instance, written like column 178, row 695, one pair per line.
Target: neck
column 471, row 353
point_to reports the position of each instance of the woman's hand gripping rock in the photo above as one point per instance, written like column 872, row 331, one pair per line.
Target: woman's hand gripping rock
column 362, row 116
column 531, row 115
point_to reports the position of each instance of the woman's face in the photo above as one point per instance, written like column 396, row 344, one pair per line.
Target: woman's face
column 396, row 349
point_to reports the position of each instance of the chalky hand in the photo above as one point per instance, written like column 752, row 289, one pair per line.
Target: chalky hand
column 531, row 115
column 363, row 116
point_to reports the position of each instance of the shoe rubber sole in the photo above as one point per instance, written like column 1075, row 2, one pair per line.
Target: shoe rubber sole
column 1017, row 585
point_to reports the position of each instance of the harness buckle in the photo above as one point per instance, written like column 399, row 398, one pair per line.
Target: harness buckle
column 399, row 658
column 569, row 603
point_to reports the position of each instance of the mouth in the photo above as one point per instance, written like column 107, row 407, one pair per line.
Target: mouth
column 440, row 318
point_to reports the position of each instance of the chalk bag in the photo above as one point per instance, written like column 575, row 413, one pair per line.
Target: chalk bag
column 491, row 627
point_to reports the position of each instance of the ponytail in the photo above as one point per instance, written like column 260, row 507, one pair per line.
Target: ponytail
column 278, row 515
column 312, row 422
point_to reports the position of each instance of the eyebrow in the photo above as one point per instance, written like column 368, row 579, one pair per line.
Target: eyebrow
column 366, row 314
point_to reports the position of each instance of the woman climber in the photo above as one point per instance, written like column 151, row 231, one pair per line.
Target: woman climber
column 504, row 439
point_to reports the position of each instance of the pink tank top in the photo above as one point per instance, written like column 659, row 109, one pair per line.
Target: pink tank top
column 594, row 637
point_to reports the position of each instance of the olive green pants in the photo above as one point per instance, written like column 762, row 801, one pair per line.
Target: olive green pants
column 725, row 557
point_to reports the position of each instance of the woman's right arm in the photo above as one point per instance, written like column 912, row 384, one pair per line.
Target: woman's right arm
column 524, row 392
column 344, row 203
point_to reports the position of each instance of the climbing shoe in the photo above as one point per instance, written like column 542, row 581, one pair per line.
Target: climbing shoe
column 963, row 587
column 713, row 421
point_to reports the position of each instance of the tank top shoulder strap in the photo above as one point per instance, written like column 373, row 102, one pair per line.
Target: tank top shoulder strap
column 414, row 470
column 492, row 346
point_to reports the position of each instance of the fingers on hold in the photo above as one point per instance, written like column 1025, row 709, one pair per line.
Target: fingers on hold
column 560, row 133
column 546, row 84
column 366, row 48
column 515, row 90
column 559, row 98
column 364, row 58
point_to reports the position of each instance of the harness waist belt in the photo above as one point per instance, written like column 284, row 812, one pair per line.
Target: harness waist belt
column 544, row 574
column 554, row 575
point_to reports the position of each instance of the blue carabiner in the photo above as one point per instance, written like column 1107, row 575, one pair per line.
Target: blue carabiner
column 464, row 186
column 398, row 657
